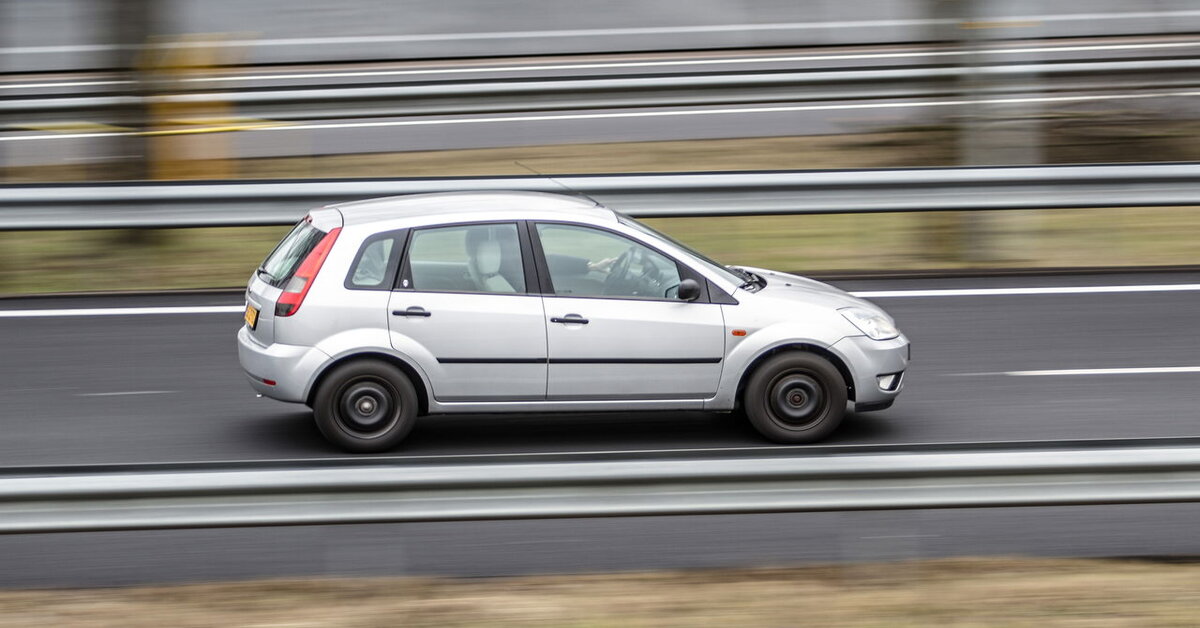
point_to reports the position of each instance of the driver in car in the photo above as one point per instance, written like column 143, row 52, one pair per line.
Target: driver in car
column 571, row 265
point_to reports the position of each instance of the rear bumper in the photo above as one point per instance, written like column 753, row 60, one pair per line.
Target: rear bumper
column 291, row 367
column 869, row 360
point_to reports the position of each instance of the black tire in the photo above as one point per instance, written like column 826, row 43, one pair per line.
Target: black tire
column 795, row 397
column 365, row 406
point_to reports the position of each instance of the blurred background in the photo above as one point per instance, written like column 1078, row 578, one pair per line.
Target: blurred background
column 190, row 91
column 94, row 90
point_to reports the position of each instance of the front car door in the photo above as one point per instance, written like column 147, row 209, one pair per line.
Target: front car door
column 467, row 309
column 616, row 329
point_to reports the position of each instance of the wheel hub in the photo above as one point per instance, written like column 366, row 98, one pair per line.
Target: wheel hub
column 366, row 407
column 796, row 398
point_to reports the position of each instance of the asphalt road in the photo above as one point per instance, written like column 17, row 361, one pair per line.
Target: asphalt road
column 163, row 388
column 167, row 388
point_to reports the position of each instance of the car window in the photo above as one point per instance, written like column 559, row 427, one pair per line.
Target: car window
column 375, row 266
column 467, row 258
column 707, row 261
column 282, row 263
column 592, row 262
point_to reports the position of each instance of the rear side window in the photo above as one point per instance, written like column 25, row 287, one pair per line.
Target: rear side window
column 282, row 263
column 374, row 267
column 467, row 258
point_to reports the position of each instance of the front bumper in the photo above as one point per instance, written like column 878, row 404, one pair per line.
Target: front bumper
column 291, row 367
column 869, row 360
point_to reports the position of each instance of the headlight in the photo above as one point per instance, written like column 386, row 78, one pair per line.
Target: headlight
column 875, row 325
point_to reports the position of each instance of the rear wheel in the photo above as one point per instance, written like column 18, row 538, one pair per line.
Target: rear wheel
column 795, row 397
column 366, row 406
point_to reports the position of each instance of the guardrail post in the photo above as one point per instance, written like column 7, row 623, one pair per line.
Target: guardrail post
column 186, row 140
column 990, row 134
column 7, row 20
column 132, row 23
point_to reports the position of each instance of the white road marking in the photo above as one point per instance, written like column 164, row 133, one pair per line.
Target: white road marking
column 1130, row 371
column 903, row 536
column 64, row 136
column 987, row 292
column 627, row 64
column 125, row 311
column 638, row 114
column 865, row 294
column 130, row 392
column 64, row 84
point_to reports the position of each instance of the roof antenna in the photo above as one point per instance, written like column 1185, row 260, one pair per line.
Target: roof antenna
column 559, row 184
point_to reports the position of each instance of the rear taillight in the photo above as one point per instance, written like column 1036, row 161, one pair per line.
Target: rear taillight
column 293, row 293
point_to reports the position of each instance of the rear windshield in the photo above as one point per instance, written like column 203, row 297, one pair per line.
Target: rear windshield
column 282, row 263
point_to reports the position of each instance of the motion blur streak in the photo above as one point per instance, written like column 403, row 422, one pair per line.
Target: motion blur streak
column 868, row 294
column 123, row 311
column 1133, row 371
column 984, row 292
column 515, row 68
column 645, row 114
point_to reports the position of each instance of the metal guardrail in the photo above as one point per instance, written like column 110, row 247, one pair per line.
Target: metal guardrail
column 379, row 493
column 242, row 203
column 561, row 93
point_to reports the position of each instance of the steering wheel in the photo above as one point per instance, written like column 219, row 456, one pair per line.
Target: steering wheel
column 618, row 273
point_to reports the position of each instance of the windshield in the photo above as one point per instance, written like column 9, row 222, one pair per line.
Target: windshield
column 281, row 264
column 737, row 276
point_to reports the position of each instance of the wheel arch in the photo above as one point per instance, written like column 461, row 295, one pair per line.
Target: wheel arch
column 409, row 370
column 833, row 358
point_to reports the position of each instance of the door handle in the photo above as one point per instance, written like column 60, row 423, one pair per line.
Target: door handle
column 570, row 319
column 415, row 310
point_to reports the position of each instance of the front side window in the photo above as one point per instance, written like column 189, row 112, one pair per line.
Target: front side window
column 467, row 258
column 592, row 263
column 707, row 261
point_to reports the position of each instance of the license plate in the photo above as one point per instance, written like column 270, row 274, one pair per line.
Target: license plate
column 251, row 316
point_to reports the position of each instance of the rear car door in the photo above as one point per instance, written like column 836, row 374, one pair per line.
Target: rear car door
column 468, row 300
column 616, row 329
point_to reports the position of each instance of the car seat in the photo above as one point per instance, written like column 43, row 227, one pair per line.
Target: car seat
column 484, row 259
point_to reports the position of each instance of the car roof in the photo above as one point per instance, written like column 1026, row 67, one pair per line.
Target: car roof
column 466, row 206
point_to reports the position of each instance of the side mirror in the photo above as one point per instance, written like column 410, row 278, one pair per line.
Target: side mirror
column 689, row 290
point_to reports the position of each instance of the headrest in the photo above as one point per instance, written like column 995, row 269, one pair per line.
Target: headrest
column 487, row 257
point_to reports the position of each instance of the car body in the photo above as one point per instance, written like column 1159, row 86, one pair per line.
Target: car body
column 374, row 312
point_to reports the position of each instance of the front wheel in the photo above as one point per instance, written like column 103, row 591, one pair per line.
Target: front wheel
column 367, row 406
column 795, row 397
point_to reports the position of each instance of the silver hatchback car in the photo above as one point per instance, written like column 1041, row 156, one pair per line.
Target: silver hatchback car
column 375, row 312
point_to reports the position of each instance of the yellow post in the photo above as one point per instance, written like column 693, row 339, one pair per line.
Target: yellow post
column 186, row 140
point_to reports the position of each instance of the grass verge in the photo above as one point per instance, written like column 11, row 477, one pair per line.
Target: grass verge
column 41, row 262
column 72, row 261
column 956, row 592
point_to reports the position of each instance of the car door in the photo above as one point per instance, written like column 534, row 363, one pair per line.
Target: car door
column 464, row 312
column 616, row 329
